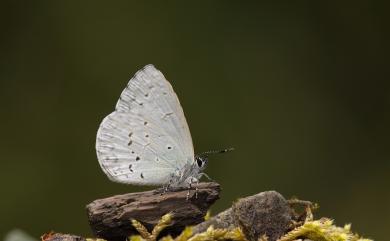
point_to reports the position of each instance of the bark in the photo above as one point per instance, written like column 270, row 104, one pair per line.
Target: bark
column 110, row 218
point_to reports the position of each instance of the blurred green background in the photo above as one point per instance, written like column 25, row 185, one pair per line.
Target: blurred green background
column 301, row 90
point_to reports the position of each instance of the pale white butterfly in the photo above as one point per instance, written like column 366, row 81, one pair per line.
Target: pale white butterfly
column 146, row 140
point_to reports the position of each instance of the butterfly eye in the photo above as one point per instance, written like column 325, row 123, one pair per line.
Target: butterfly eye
column 199, row 162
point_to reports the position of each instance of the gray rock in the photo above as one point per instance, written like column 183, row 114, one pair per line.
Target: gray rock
column 264, row 213
column 222, row 220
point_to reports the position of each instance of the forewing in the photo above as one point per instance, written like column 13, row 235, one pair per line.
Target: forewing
column 146, row 139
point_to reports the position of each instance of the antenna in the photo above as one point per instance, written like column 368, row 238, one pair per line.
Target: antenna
column 207, row 153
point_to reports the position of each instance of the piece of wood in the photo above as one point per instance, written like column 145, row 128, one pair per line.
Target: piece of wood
column 61, row 237
column 110, row 218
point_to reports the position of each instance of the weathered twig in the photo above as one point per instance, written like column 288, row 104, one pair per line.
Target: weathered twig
column 110, row 218
column 61, row 237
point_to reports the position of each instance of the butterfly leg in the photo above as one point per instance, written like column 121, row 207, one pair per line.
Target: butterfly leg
column 207, row 176
column 191, row 181
column 165, row 188
column 196, row 188
column 188, row 192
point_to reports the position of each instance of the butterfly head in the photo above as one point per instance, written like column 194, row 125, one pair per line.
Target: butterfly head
column 201, row 162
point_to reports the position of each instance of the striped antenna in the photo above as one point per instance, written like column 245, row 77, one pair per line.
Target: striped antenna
column 207, row 153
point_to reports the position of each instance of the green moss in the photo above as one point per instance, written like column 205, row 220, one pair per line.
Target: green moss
column 316, row 230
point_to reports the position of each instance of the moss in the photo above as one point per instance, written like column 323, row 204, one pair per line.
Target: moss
column 316, row 230
column 322, row 230
column 210, row 234
column 207, row 216
column 164, row 222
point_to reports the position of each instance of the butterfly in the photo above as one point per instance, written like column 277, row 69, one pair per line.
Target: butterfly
column 146, row 140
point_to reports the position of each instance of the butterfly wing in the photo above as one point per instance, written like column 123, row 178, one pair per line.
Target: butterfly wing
column 146, row 139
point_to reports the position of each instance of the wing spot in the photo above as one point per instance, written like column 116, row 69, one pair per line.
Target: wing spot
column 130, row 134
column 142, row 175
column 141, row 104
column 169, row 147
column 130, row 142
column 132, row 152
column 146, row 135
column 137, row 158
column 130, row 167
column 145, row 123
column 167, row 115
column 115, row 159
column 109, row 147
column 147, row 94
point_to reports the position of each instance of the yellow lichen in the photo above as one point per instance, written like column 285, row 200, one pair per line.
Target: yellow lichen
column 185, row 235
column 316, row 230
column 144, row 233
column 210, row 234
column 207, row 216
column 322, row 230
column 235, row 234
column 164, row 222
column 136, row 238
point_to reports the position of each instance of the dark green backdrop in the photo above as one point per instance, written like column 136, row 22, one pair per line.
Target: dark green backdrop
column 301, row 90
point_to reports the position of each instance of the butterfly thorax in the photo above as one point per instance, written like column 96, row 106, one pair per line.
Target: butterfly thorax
column 187, row 175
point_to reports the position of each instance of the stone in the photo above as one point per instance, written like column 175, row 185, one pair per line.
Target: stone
column 264, row 213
